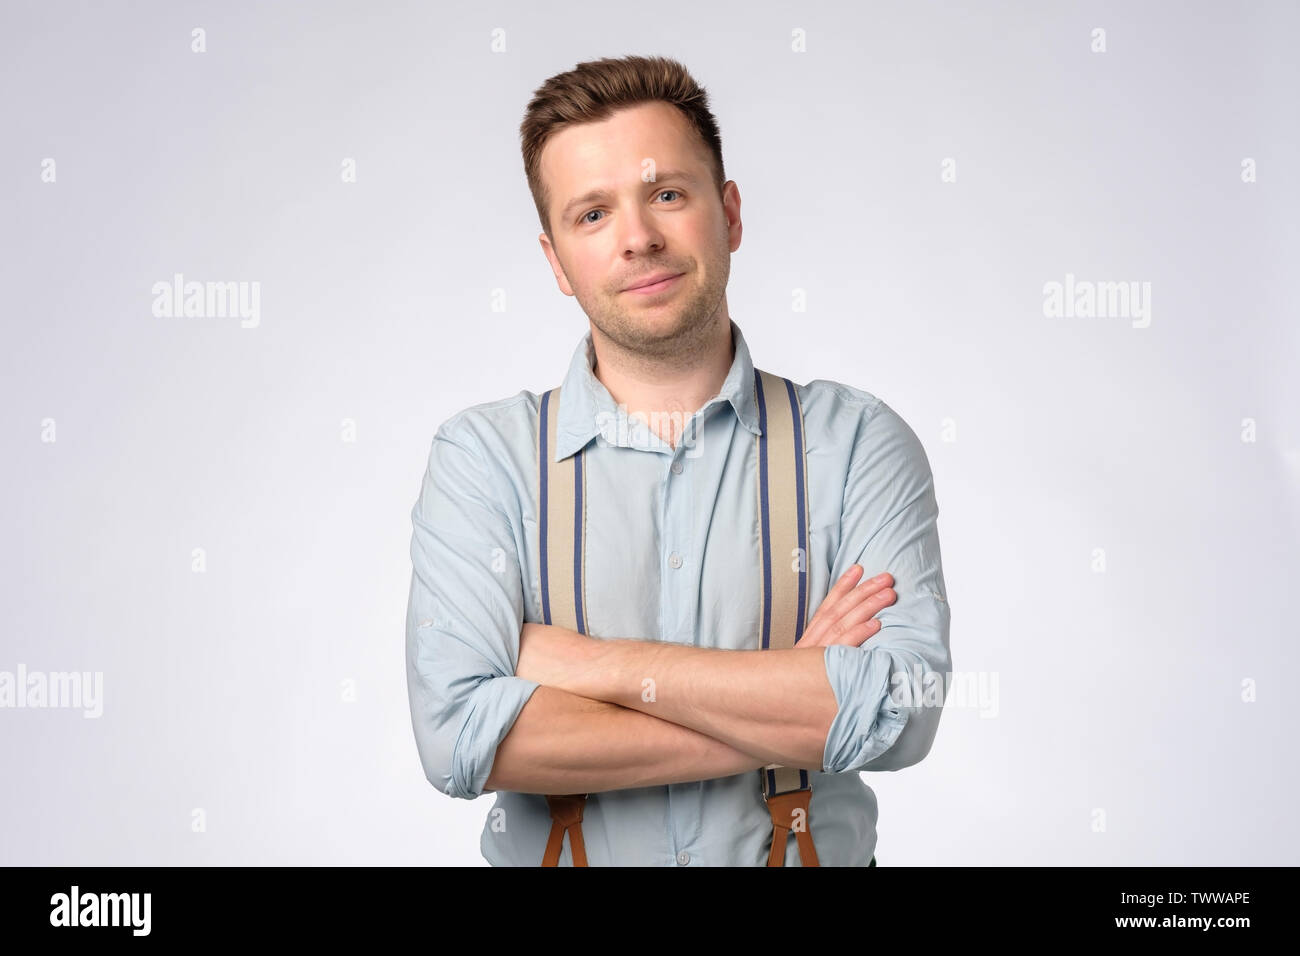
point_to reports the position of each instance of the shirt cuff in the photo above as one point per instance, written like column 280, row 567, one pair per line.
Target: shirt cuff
column 867, row 720
column 491, row 713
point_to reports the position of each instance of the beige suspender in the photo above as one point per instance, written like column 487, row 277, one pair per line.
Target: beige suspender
column 781, row 478
column 561, row 525
column 783, row 541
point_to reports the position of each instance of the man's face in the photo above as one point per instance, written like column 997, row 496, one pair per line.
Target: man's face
column 676, row 225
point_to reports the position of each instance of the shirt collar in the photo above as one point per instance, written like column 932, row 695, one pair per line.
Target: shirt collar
column 586, row 405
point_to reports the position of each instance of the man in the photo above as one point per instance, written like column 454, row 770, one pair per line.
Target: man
column 663, row 707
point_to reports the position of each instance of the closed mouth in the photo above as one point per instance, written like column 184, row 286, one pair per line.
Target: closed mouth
column 656, row 285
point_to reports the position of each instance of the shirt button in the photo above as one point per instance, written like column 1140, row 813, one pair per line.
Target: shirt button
column 677, row 468
column 683, row 858
column 675, row 560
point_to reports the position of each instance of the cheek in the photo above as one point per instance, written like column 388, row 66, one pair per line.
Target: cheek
column 707, row 241
column 699, row 235
column 584, row 277
column 593, row 275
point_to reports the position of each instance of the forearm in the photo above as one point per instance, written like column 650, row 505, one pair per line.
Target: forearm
column 565, row 743
column 777, row 705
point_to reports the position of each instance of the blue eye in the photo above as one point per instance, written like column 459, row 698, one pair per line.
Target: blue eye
column 585, row 221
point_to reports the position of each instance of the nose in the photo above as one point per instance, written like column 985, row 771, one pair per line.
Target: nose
column 641, row 236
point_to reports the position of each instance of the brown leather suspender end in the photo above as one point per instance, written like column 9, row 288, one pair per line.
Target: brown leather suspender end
column 566, row 816
column 790, row 812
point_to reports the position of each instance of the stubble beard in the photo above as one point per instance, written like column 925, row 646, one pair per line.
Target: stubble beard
column 669, row 334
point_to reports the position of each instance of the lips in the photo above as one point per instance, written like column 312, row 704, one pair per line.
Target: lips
column 654, row 283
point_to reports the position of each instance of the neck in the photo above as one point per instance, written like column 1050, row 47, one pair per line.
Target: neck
column 667, row 391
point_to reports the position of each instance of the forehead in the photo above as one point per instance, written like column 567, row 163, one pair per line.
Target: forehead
column 612, row 151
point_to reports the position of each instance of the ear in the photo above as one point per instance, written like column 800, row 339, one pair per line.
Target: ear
column 731, row 207
column 560, row 278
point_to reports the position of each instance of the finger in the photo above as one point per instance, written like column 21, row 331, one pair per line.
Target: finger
column 856, row 635
column 845, row 584
column 841, row 588
column 849, row 624
column 841, row 599
column 869, row 608
column 855, row 596
column 867, row 631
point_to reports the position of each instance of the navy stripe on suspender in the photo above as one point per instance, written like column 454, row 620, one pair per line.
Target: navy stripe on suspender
column 577, row 542
column 802, row 525
column 799, row 500
column 543, row 452
column 766, row 543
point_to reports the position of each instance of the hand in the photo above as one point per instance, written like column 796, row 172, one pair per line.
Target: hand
column 847, row 615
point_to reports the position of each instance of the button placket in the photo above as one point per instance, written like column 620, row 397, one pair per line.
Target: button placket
column 680, row 582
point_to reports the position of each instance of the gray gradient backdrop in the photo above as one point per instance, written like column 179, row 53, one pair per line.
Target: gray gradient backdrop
column 1121, row 733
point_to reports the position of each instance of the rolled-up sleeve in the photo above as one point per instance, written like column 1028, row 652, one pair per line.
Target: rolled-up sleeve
column 890, row 690
column 463, row 618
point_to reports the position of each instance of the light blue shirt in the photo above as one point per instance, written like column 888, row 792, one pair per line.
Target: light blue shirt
column 672, row 555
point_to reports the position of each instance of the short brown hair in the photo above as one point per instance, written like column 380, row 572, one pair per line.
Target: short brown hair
column 594, row 90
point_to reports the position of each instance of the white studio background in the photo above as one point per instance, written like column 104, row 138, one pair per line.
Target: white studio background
column 1119, row 496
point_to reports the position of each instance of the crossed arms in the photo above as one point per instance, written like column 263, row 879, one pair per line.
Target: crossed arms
column 630, row 713
column 497, row 704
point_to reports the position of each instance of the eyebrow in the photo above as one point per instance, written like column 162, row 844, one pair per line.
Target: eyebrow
column 671, row 175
